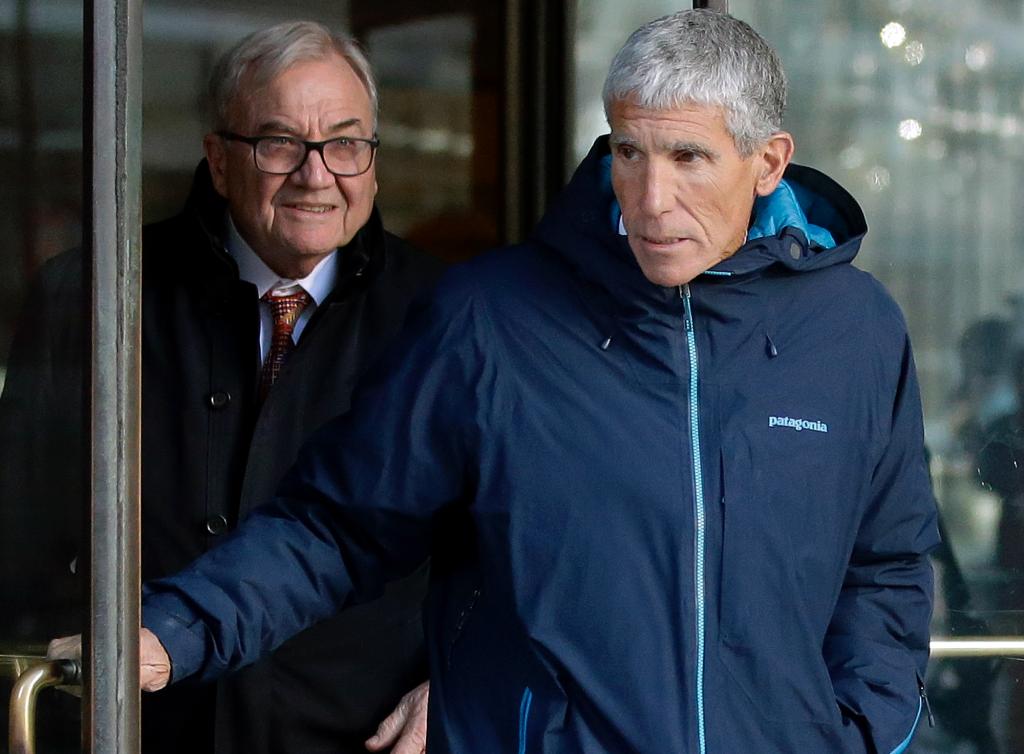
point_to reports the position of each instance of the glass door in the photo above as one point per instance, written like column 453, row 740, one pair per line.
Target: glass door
column 44, row 352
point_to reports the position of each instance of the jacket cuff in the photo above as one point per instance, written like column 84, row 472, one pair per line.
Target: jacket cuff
column 183, row 637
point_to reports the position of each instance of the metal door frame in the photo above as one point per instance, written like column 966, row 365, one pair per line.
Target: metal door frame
column 113, row 152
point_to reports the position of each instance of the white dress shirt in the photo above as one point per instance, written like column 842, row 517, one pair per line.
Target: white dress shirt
column 318, row 284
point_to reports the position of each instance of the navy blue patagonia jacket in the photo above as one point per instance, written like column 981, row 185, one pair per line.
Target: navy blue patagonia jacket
column 691, row 520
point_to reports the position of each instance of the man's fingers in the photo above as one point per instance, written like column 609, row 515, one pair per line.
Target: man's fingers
column 154, row 663
column 405, row 729
column 65, row 648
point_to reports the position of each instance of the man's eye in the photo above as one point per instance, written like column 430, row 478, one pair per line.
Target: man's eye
column 279, row 141
column 343, row 142
column 687, row 155
column 626, row 152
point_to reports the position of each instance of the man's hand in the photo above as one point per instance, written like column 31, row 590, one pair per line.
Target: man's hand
column 405, row 729
column 65, row 648
column 154, row 664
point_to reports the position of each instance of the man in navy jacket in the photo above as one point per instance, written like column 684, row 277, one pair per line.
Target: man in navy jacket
column 667, row 456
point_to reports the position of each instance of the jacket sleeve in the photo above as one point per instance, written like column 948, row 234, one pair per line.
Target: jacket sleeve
column 876, row 647
column 354, row 512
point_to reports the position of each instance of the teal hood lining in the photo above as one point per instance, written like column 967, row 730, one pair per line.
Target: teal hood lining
column 784, row 208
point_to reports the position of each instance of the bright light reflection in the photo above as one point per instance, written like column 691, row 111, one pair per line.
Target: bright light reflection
column 913, row 53
column 978, row 56
column 878, row 178
column 893, row 34
column 910, row 129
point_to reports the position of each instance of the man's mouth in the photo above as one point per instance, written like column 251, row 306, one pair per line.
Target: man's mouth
column 662, row 241
column 316, row 209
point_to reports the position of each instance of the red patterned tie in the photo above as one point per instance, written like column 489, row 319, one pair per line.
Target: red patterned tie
column 285, row 309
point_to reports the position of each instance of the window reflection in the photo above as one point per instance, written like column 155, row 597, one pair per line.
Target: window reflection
column 41, row 191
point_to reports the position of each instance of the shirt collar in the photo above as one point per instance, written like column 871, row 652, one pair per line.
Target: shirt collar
column 252, row 269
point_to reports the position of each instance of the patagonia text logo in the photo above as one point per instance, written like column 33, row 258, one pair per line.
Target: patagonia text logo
column 797, row 424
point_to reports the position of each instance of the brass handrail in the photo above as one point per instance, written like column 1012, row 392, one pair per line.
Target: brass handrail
column 15, row 660
column 978, row 646
column 22, row 733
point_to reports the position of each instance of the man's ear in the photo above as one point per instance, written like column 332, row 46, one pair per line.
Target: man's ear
column 773, row 157
column 217, row 157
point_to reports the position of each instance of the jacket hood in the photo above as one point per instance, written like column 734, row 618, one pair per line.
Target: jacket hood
column 808, row 223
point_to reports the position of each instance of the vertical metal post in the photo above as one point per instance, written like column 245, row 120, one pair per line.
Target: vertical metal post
column 537, row 109
column 113, row 154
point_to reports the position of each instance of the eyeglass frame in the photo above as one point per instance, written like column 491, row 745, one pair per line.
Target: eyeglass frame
column 316, row 146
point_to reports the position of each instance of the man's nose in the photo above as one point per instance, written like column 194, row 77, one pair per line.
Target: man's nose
column 313, row 173
column 655, row 189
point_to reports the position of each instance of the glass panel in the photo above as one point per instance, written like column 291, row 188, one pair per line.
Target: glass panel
column 440, row 175
column 44, row 320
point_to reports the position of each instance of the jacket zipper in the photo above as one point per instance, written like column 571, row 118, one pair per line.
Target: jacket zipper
column 524, row 718
column 922, row 705
column 902, row 747
column 698, row 512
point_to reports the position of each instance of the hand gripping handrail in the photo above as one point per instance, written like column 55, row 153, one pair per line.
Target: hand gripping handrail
column 22, row 733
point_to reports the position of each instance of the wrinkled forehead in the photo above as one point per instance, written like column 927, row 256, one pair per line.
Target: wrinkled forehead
column 629, row 121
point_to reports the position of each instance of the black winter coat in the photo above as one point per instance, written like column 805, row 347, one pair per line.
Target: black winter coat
column 210, row 454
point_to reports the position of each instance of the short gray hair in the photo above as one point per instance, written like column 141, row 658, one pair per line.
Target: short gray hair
column 264, row 55
column 707, row 58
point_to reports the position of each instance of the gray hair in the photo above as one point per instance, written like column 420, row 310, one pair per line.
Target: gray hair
column 707, row 58
column 264, row 55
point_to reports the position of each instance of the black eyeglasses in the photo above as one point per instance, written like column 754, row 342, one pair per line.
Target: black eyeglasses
column 283, row 155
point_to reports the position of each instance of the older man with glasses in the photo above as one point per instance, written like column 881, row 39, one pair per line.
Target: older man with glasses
column 263, row 301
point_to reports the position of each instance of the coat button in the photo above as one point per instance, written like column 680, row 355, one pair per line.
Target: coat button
column 216, row 525
column 795, row 250
column 220, row 399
